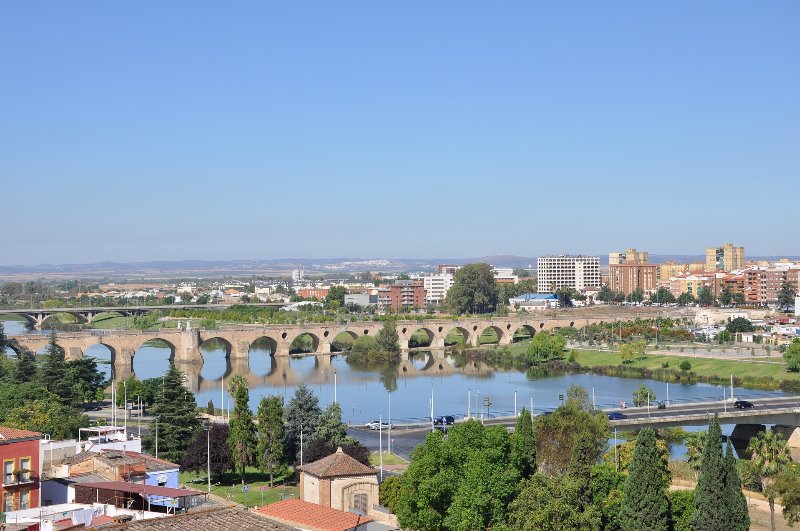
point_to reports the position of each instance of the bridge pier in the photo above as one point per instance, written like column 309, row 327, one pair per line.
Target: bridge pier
column 403, row 344
column 324, row 347
column 239, row 350
column 73, row 353
column 188, row 349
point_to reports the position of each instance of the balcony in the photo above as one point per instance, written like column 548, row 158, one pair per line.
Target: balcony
column 18, row 479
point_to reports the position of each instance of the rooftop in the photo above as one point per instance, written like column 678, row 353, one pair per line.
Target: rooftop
column 10, row 434
column 311, row 515
column 338, row 464
column 214, row 519
column 138, row 488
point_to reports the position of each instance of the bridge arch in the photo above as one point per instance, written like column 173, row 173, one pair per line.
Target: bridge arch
column 342, row 341
column 214, row 343
column 420, row 337
column 29, row 319
column 456, row 335
column 491, row 334
column 152, row 362
column 264, row 343
column 522, row 333
column 304, row 343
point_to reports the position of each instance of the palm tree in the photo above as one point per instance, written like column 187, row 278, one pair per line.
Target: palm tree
column 770, row 457
column 695, row 443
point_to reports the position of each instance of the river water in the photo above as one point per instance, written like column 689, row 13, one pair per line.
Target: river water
column 404, row 390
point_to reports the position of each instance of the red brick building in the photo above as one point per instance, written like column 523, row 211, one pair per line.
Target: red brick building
column 21, row 469
column 402, row 294
column 629, row 277
column 313, row 293
column 763, row 285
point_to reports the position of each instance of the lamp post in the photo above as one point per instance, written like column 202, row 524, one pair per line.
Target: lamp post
column 208, row 454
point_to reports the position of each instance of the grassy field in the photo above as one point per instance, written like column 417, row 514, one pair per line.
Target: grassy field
column 231, row 487
column 700, row 366
column 111, row 320
column 388, row 459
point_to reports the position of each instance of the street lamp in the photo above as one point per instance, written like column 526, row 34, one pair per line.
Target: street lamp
column 208, row 453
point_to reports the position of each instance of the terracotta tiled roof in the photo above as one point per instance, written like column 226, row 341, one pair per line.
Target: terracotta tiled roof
column 306, row 514
column 9, row 434
column 337, row 464
column 216, row 519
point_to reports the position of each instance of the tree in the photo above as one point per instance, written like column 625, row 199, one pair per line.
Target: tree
column 391, row 492
column 607, row 486
column 792, row 356
column 270, row 434
column 336, row 294
column 787, row 485
column 685, row 299
column 302, row 413
column 643, row 396
column 606, row 294
column 210, row 411
column 565, row 296
column 685, row 365
column 726, row 297
column 579, row 396
column 318, row 448
column 46, row 414
column 733, row 497
column 636, row 295
column 388, row 339
column 54, row 375
column 770, row 457
column 633, row 350
column 175, row 421
column 25, row 368
column 740, row 324
column 709, row 512
column 681, row 507
column 662, row 296
column 544, row 347
column 695, row 444
column 86, row 377
column 331, row 428
column 621, row 457
column 705, row 297
column 547, row 504
column 738, row 297
column 523, row 445
column 473, row 291
column 242, row 430
column 464, row 482
column 786, row 294
column 644, row 499
column 557, row 435
column 197, row 458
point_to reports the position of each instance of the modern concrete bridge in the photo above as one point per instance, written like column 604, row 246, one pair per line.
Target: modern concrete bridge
column 36, row 317
column 184, row 343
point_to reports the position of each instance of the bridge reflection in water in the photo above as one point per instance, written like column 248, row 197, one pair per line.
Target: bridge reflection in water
column 283, row 371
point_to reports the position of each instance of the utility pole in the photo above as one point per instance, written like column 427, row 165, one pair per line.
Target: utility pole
column 380, row 442
column 515, row 404
column 208, row 450
column 334, row 386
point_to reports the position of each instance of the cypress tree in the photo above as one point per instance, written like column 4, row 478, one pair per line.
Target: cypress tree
column 739, row 517
column 523, row 445
column 25, row 369
column 644, row 501
column 711, row 513
column 242, row 431
column 175, row 423
column 55, row 376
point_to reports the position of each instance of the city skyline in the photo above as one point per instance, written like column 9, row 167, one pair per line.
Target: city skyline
column 188, row 131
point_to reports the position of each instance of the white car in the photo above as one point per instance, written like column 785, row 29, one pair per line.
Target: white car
column 376, row 424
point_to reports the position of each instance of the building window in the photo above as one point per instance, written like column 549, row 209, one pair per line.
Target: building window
column 8, row 502
column 24, row 499
column 25, row 467
column 360, row 503
column 8, row 472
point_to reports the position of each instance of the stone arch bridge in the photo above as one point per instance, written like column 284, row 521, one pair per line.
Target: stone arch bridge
column 237, row 340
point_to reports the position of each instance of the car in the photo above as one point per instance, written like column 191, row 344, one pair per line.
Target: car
column 662, row 405
column 376, row 425
column 743, row 404
column 445, row 420
column 616, row 415
column 442, row 429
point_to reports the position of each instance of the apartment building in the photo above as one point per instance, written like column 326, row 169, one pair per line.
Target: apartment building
column 504, row 275
column 692, row 283
column 402, row 294
column 725, row 258
column 629, row 277
column 567, row 271
column 447, row 269
column 630, row 256
column 436, row 287
column 20, row 455
column 763, row 284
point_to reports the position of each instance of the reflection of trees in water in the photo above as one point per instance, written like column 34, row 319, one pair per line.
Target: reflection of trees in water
column 389, row 370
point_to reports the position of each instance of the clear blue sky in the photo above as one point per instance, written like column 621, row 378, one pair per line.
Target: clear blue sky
column 231, row 130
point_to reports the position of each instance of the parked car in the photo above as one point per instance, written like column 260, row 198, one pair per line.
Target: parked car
column 662, row 405
column 445, row 420
column 742, row 404
column 376, row 425
column 616, row 415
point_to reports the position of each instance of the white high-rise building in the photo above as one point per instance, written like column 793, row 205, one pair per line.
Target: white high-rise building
column 297, row 275
column 436, row 287
column 567, row 271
